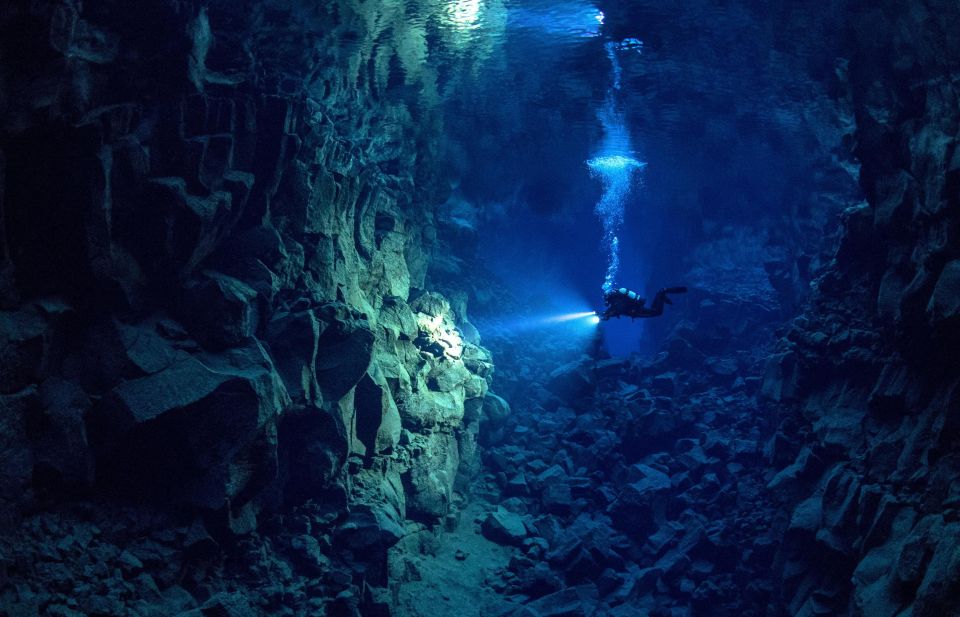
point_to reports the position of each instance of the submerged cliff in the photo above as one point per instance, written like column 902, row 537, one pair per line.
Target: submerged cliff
column 866, row 378
column 218, row 338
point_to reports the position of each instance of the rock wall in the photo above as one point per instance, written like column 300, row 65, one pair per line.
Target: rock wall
column 866, row 379
column 221, row 359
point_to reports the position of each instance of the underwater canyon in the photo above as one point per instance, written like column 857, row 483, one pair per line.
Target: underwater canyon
column 301, row 308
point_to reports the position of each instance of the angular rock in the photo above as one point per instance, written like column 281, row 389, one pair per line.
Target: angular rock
column 805, row 519
column 344, row 352
column 369, row 527
column 468, row 447
column 942, row 574
column 430, row 479
column 189, row 432
column 223, row 604
column 145, row 347
column 889, row 395
column 665, row 384
column 557, row 498
column 313, row 445
column 309, row 554
column 429, row 409
column 377, row 416
column 177, row 230
column 504, row 527
column 641, row 504
column 571, row 382
column 495, row 409
column 580, row 601
column 447, row 376
column 219, row 310
column 806, row 466
column 780, row 383
column 293, row 339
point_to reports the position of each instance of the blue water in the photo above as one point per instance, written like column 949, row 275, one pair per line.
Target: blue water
column 602, row 143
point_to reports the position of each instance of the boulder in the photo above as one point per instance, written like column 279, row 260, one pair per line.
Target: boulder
column 840, row 499
column 144, row 347
column 557, row 498
column 193, row 432
column 912, row 562
column 368, row 527
column 517, row 486
column 571, row 382
column 219, row 310
column 805, row 467
column 112, row 351
column 344, row 350
column 805, row 519
column 580, row 601
column 313, row 445
column 432, row 304
column 429, row 481
column 223, row 604
column 641, row 504
column 504, row 527
column 475, row 388
column 293, row 339
column 495, row 409
column 889, row 396
column 897, row 193
column 397, row 319
column 780, row 382
column 446, row 376
column 478, row 361
column 892, row 286
column 665, row 384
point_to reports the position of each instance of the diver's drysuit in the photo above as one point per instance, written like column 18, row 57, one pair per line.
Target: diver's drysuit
column 625, row 303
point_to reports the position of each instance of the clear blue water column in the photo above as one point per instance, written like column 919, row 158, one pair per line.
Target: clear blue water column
column 614, row 166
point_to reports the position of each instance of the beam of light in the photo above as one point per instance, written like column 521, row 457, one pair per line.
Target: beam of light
column 569, row 317
column 577, row 324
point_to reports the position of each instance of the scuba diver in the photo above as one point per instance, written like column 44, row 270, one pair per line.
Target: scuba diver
column 625, row 303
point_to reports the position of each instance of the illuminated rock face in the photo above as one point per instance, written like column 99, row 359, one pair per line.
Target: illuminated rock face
column 214, row 284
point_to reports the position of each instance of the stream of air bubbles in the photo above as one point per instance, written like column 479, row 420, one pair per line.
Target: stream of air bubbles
column 614, row 165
